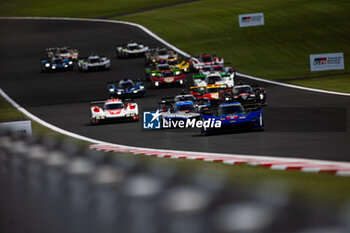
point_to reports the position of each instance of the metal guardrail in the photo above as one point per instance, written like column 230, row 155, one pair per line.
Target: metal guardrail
column 49, row 186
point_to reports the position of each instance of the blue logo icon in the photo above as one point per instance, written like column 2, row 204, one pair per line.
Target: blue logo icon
column 151, row 120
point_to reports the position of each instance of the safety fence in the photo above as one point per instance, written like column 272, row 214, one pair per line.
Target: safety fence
column 49, row 186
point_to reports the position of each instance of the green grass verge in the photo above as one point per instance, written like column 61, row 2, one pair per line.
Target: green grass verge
column 319, row 187
column 76, row 8
column 9, row 113
column 332, row 83
column 294, row 29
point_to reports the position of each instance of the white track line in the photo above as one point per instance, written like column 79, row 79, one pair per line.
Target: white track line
column 105, row 146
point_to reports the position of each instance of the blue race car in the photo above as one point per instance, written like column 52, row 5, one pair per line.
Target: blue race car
column 126, row 88
column 55, row 64
column 232, row 115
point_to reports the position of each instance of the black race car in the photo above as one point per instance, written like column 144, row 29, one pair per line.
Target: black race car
column 248, row 95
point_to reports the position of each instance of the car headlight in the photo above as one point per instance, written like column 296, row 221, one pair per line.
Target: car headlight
column 127, row 115
column 97, row 117
column 66, row 66
column 153, row 74
column 185, row 69
column 70, row 62
column 53, row 67
column 154, row 60
column 177, row 72
column 181, row 81
column 111, row 90
column 135, row 92
column 47, row 65
column 119, row 93
column 142, row 87
column 156, row 83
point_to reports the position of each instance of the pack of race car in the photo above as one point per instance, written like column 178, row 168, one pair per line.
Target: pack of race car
column 214, row 94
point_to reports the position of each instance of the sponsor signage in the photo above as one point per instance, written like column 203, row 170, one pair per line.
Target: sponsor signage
column 19, row 127
column 152, row 120
column 327, row 61
column 248, row 20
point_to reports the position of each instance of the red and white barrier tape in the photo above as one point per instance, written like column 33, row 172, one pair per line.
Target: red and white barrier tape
column 303, row 165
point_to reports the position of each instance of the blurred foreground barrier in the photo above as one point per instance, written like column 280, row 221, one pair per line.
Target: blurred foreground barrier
column 47, row 186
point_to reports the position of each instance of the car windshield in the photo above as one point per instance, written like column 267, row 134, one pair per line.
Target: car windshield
column 133, row 47
column 173, row 62
column 230, row 109
column 113, row 106
column 213, row 79
column 126, row 84
column 163, row 67
column 168, row 74
column 206, row 59
column 213, row 90
column 243, row 90
column 94, row 60
column 218, row 68
column 162, row 52
column 184, row 98
column 63, row 51
column 57, row 61
column 184, row 107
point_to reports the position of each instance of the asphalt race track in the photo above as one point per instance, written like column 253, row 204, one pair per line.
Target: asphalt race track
column 298, row 123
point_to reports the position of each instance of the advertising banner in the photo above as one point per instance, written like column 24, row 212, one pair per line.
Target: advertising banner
column 327, row 61
column 19, row 127
column 248, row 20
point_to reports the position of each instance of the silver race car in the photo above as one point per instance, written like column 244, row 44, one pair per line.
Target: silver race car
column 94, row 62
column 131, row 50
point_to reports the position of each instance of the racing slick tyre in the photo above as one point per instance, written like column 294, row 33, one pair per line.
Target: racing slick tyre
column 94, row 121
column 260, row 122
column 204, row 132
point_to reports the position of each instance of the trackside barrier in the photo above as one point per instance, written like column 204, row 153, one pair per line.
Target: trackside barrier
column 50, row 186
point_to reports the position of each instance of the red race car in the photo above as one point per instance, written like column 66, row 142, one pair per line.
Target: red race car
column 168, row 77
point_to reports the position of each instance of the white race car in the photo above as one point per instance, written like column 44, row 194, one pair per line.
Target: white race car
column 113, row 110
column 131, row 50
column 196, row 63
column 94, row 62
column 223, row 78
column 65, row 52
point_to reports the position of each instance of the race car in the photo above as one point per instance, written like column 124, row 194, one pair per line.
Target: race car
column 217, row 69
column 131, row 49
column 168, row 77
column 175, row 111
column 196, row 63
column 159, row 55
column 94, row 62
column 211, row 92
column 113, row 110
column 154, row 71
column 63, row 52
column 232, row 115
column 55, row 64
column 126, row 88
column 248, row 95
column 223, row 78
column 178, row 64
column 199, row 103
